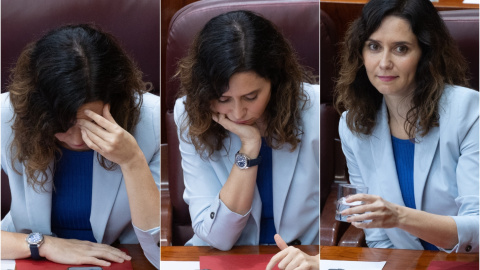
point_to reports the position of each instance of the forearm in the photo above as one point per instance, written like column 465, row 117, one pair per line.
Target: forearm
column 14, row 246
column 438, row 230
column 237, row 192
column 143, row 195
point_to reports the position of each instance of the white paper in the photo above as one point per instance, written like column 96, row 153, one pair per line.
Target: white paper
column 351, row 265
column 8, row 264
column 471, row 1
column 178, row 265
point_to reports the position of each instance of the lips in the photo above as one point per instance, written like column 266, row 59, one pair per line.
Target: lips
column 241, row 122
column 387, row 78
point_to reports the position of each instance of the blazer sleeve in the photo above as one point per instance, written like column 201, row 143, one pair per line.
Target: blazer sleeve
column 375, row 238
column 465, row 116
column 149, row 239
column 212, row 221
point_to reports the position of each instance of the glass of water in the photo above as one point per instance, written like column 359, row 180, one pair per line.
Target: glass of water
column 344, row 190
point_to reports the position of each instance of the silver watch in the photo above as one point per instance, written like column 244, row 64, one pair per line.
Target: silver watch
column 243, row 162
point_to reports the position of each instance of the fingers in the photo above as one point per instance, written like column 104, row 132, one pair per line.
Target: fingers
column 71, row 251
column 276, row 258
column 102, row 253
column 89, row 142
column 361, row 197
column 280, row 242
column 223, row 121
column 106, row 121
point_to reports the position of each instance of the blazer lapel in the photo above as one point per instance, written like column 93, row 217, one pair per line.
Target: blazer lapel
column 39, row 204
column 105, row 187
column 424, row 154
column 382, row 153
column 283, row 167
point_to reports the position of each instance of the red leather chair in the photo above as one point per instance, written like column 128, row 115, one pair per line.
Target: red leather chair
column 332, row 161
column 135, row 23
column 298, row 20
column 463, row 26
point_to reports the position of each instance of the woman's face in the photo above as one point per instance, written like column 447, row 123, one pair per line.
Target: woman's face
column 72, row 139
column 246, row 98
column 391, row 56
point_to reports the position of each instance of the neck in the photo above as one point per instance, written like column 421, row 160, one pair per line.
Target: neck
column 397, row 115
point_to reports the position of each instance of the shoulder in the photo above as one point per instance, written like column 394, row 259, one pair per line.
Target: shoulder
column 312, row 105
column 5, row 102
column 7, row 109
column 313, row 93
column 150, row 102
column 149, row 116
column 179, row 109
column 458, row 101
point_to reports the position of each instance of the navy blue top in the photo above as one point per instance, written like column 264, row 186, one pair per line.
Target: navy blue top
column 404, row 151
column 264, row 184
column 72, row 196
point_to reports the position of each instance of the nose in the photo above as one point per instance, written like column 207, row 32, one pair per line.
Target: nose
column 239, row 111
column 386, row 61
column 75, row 135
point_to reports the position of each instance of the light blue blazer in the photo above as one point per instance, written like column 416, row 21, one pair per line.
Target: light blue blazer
column 295, row 188
column 110, row 215
column 445, row 169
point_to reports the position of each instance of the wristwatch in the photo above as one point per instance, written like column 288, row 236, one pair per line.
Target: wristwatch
column 35, row 240
column 243, row 162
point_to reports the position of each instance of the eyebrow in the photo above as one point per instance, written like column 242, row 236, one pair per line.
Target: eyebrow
column 395, row 43
column 253, row 92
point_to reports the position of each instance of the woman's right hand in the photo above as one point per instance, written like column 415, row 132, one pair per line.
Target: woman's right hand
column 249, row 134
column 72, row 251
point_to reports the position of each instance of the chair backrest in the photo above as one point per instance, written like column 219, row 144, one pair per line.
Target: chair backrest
column 328, row 115
column 6, row 195
column 298, row 20
column 463, row 26
column 136, row 24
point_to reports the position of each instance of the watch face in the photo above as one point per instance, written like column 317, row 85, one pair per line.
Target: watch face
column 34, row 238
column 241, row 160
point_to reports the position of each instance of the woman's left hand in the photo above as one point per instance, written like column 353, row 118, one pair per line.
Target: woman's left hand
column 383, row 214
column 292, row 258
column 109, row 139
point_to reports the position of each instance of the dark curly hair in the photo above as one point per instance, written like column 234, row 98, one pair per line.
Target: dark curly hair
column 233, row 42
column 54, row 76
column 441, row 63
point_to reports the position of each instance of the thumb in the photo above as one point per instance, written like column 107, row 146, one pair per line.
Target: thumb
column 280, row 243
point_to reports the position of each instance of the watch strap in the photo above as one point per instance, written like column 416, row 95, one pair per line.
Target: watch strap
column 35, row 254
column 254, row 162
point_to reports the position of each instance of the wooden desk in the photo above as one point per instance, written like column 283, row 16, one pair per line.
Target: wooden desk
column 396, row 258
column 139, row 261
column 182, row 253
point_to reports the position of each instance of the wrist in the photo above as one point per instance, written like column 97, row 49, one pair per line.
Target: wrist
column 402, row 216
column 43, row 249
column 136, row 159
column 252, row 150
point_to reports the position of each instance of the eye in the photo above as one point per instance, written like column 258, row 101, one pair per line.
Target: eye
column 223, row 99
column 251, row 97
column 373, row 46
column 402, row 49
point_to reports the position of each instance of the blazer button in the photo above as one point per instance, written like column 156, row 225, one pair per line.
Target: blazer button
column 212, row 215
column 468, row 248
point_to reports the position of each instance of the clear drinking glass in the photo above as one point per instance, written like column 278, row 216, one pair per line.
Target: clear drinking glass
column 344, row 190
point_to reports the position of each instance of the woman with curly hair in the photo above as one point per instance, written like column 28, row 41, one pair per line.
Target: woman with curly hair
column 80, row 145
column 409, row 130
column 248, row 125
